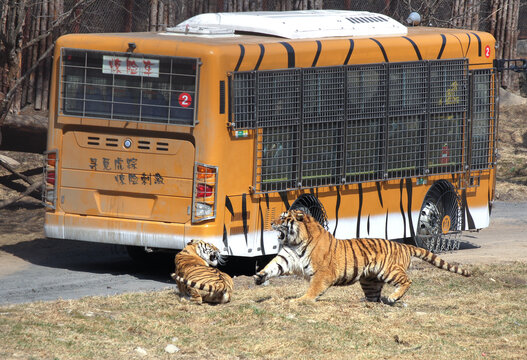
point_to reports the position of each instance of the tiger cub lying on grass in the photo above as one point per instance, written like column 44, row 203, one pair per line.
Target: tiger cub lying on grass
column 312, row 252
column 197, row 279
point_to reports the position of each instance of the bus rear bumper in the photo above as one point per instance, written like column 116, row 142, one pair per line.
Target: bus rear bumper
column 115, row 231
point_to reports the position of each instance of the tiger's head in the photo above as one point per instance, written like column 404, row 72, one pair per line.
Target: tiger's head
column 291, row 227
column 208, row 252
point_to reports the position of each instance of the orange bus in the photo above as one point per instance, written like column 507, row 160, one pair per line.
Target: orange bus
column 213, row 128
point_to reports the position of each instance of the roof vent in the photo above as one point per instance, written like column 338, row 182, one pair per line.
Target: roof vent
column 301, row 24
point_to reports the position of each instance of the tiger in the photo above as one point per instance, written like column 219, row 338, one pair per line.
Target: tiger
column 309, row 250
column 196, row 275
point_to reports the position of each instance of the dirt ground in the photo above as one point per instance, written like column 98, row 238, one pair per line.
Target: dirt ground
column 22, row 222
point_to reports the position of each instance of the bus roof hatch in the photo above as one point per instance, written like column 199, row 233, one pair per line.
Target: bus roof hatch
column 302, row 24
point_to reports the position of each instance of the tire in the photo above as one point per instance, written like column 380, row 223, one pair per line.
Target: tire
column 309, row 204
column 440, row 219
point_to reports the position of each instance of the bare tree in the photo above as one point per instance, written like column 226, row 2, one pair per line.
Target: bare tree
column 13, row 18
column 504, row 27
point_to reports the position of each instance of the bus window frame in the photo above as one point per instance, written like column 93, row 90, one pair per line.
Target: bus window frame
column 61, row 98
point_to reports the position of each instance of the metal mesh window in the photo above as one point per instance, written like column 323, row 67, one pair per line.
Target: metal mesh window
column 279, row 98
column 405, row 146
column 145, row 88
column 482, row 119
column 322, row 153
column 243, row 115
column 408, row 86
column 277, row 158
column 448, row 108
column 366, row 113
column 323, row 126
column 406, row 131
column 345, row 124
column 446, row 142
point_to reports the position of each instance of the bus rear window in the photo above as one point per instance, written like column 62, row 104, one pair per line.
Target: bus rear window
column 121, row 86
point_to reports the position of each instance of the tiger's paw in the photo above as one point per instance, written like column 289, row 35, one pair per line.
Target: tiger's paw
column 260, row 278
column 302, row 300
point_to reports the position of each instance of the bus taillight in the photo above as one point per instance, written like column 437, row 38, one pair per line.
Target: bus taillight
column 205, row 172
column 49, row 189
column 205, row 190
column 51, row 158
column 50, row 178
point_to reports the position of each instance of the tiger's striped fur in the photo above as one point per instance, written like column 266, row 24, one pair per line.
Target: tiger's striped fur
column 312, row 252
column 197, row 278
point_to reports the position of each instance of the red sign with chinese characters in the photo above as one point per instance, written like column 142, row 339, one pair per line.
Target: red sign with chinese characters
column 130, row 66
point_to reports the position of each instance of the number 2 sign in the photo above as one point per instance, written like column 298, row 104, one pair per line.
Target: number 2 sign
column 487, row 51
column 185, row 100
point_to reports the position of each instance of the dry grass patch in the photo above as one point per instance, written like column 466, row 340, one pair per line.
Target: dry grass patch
column 443, row 316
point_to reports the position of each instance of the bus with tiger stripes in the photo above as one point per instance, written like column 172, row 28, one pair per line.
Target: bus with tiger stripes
column 211, row 129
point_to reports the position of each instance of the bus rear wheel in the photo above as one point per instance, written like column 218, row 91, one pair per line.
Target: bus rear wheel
column 440, row 219
column 310, row 204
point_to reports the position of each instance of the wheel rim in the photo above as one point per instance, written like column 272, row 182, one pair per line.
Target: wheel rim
column 439, row 225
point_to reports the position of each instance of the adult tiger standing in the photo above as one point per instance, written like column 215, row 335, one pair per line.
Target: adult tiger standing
column 197, row 277
column 310, row 251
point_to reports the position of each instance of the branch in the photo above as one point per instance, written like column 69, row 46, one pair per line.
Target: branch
column 58, row 22
column 8, row 167
column 28, row 191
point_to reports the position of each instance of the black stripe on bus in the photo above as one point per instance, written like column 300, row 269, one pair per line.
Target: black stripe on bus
column 442, row 47
column 262, row 247
column 409, row 193
column 244, row 217
column 225, row 239
column 401, row 207
column 240, row 59
column 479, row 42
column 386, row 226
column 222, row 97
column 337, row 211
column 379, row 193
column 228, row 205
column 317, row 55
column 350, row 51
column 283, row 196
column 489, row 204
column 469, row 41
column 416, row 48
column 290, row 54
column 368, row 225
column 470, row 219
column 267, row 199
column 360, row 209
column 260, row 58
column 382, row 49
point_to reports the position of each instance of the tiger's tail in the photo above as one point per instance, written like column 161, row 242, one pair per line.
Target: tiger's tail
column 435, row 260
column 197, row 285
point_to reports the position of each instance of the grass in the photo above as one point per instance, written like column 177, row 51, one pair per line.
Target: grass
column 443, row 316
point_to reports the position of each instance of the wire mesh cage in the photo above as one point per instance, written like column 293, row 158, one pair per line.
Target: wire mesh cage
column 345, row 124
column 483, row 119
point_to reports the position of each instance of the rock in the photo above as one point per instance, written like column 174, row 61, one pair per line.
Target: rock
column 509, row 99
column 171, row 349
column 140, row 351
